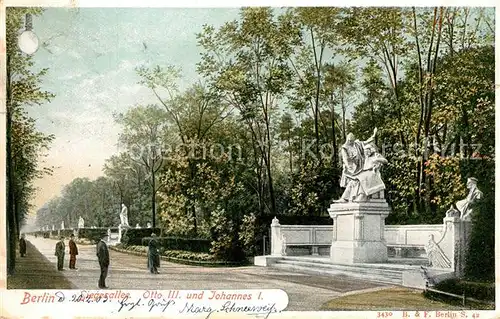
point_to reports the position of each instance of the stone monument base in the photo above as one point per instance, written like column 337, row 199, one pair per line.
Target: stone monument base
column 351, row 252
column 358, row 232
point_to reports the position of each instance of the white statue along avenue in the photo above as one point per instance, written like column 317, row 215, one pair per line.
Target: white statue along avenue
column 81, row 222
column 124, row 216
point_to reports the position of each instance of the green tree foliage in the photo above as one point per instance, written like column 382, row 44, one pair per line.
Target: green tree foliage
column 260, row 134
column 144, row 128
column 25, row 144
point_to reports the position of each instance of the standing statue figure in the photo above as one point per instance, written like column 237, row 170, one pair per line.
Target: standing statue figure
column 62, row 224
column 81, row 222
column 124, row 216
column 466, row 205
column 361, row 169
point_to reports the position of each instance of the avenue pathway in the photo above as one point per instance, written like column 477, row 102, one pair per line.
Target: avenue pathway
column 305, row 292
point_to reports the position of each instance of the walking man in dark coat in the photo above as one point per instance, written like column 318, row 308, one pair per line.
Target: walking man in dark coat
column 60, row 253
column 153, row 255
column 73, row 251
column 22, row 245
column 103, row 257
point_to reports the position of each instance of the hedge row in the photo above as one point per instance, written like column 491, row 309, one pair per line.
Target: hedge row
column 94, row 233
column 134, row 236
column 484, row 292
column 53, row 233
column 183, row 257
column 476, row 290
column 197, row 245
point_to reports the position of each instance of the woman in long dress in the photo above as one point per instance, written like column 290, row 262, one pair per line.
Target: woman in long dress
column 153, row 255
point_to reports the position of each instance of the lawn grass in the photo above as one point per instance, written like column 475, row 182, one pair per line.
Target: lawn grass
column 394, row 299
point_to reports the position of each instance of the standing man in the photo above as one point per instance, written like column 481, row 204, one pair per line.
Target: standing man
column 60, row 253
column 22, row 245
column 103, row 257
column 153, row 255
column 73, row 251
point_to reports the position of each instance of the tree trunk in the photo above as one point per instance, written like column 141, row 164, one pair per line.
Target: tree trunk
column 11, row 233
column 153, row 196
column 334, row 139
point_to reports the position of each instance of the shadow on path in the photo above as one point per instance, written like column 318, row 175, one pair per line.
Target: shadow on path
column 35, row 271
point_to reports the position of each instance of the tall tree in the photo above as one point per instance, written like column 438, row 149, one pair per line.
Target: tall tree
column 246, row 61
column 24, row 142
column 144, row 128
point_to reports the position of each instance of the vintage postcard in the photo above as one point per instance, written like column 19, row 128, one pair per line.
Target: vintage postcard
column 248, row 161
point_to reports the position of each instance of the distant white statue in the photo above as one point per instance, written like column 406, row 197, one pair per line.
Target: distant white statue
column 62, row 224
column 283, row 245
column 435, row 254
column 137, row 225
column 81, row 222
column 124, row 216
column 53, row 227
column 361, row 170
column 466, row 205
column 149, row 225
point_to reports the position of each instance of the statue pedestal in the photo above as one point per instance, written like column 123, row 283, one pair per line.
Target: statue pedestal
column 358, row 232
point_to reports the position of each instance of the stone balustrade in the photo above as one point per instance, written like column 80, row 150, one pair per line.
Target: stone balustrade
column 401, row 240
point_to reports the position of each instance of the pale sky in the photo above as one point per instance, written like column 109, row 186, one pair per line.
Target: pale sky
column 92, row 54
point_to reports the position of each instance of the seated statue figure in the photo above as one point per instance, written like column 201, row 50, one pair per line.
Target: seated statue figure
column 361, row 170
column 466, row 205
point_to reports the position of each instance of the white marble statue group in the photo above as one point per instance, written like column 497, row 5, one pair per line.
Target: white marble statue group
column 361, row 170
column 362, row 182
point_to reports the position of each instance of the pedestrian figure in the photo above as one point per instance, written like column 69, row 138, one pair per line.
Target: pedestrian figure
column 22, row 245
column 73, row 251
column 103, row 257
column 60, row 253
column 153, row 255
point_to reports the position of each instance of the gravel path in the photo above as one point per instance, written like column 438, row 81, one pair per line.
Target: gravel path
column 305, row 292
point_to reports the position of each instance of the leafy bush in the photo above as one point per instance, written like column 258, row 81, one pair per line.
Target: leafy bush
column 65, row 232
column 178, row 243
column 138, row 249
column 247, row 235
column 188, row 255
column 447, row 185
column 225, row 244
column 475, row 290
